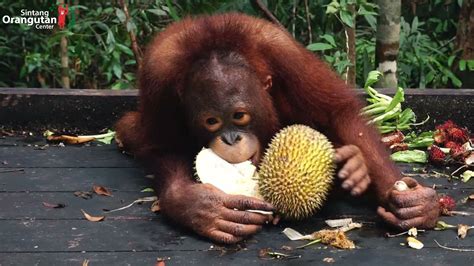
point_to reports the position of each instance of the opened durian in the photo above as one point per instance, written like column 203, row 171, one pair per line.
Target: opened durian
column 236, row 179
column 295, row 174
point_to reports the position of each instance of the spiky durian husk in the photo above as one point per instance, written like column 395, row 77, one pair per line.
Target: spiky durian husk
column 296, row 171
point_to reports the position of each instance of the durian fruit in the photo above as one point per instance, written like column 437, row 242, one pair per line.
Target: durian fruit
column 236, row 179
column 296, row 172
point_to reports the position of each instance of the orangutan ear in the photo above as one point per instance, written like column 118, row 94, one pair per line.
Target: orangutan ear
column 267, row 84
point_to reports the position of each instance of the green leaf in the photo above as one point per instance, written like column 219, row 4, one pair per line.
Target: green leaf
column 148, row 189
column 398, row 98
column 467, row 175
column 462, row 65
column 372, row 78
column 329, row 39
column 319, row 46
column 131, row 27
column 347, row 18
column 172, row 10
column 410, row 156
column 451, row 60
column 157, row 12
column 470, row 65
column 124, row 48
column 120, row 15
column 110, row 38
column 117, row 69
column 414, row 25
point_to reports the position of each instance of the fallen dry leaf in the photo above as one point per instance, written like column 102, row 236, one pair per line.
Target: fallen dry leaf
column 85, row 262
column 83, row 194
column 462, row 230
column 100, row 190
column 155, row 206
column 92, row 218
column 54, row 205
column 414, row 243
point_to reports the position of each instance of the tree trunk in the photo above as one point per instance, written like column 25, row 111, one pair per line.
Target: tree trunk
column 64, row 59
column 351, row 48
column 387, row 44
column 464, row 41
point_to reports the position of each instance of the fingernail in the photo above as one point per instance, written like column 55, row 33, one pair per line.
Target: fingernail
column 342, row 174
column 346, row 185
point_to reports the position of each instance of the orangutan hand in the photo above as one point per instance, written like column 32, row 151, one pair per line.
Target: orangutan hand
column 353, row 172
column 214, row 214
column 416, row 207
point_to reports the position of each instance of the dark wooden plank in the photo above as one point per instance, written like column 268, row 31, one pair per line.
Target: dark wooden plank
column 156, row 235
column 72, row 179
column 30, row 205
column 69, row 156
column 429, row 256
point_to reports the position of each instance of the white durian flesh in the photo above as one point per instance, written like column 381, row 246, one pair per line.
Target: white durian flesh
column 235, row 179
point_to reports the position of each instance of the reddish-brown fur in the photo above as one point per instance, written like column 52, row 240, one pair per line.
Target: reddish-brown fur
column 305, row 90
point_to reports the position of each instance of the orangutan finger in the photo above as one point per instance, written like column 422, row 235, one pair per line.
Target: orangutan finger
column 361, row 187
column 351, row 166
column 246, row 203
column 223, row 237
column 245, row 217
column 388, row 216
column 409, row 213
column 411, row 198
column 237, row 229
column 354, row 178
column 411, row 183
column 345, row 152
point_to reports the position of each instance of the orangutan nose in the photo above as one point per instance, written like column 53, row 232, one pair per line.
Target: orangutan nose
column 231, row 138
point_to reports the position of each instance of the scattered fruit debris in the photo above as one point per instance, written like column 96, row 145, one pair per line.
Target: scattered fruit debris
column 105, row 138
column 462, row 230
column 155, row 206
column 414, row 243
column 329, row 260
column 441, row 225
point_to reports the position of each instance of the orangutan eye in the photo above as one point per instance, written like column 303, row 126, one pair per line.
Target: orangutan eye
column 212, row 121
column 239, row 115
column 241, row 118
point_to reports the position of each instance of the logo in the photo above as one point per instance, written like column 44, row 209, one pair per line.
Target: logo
column 45, row 19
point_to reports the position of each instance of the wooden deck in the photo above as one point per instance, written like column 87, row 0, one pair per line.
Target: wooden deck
column 32, row 234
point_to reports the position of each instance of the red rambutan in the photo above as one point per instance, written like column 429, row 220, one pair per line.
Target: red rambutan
column 439, row 137
column 458, row 135
column 436, row 155
column 451, row 144
column 446, row 125
column 446, row 204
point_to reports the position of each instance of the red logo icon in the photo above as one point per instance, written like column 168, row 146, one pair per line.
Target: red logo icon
column 62, row 12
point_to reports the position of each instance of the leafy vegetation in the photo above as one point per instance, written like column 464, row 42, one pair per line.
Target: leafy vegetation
column 100, row 54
